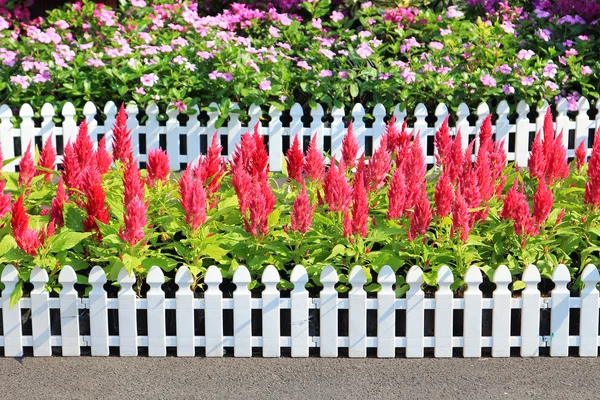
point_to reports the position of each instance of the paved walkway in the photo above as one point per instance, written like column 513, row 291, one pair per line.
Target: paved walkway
column 312, row 378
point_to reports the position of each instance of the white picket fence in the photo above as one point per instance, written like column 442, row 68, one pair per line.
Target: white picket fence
column 328, row 304
column 193, row 131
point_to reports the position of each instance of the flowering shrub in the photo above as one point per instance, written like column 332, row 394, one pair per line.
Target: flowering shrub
column 170, row 54
column 470, row 209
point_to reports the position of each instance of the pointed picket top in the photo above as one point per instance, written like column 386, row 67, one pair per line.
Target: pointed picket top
column 523, row 109
column 421, row 112
column 68, row 277
column 242, row 278
column 9, row 277
column 275, row 114
column 155, row 278
column 299, row 278
column 193, row 120
column 562, row 107
column 531, row 277
column 48, row 111
column 89, row 110
column 357, row 277
column 26, row 111
column 329, row 276
column 337, row 113
column 97, row 277
column 386, row 277
column 132, row 110
column 441, row 112
column 379, row 111
column 183, row 278
column 483, row 110
column 583, row 106
column 561, row 276
column 172, row 113
column 254, row 112
column 213, row 114
column 590, row 277
column 296, row 111
column 502, row 277
column 503, row 110
column 68, row 111
column 5, row 114
column 358, row 112
column 126, row 280
column 213, row 278
column 39, row 278
column 473, row 278
column 317, row 113
column 270, row 277
column 541, row 110
column 445, row 278
column 152, row 111
column 110, row 109
column 463, row 112
column 415, row 279
column 400, row 115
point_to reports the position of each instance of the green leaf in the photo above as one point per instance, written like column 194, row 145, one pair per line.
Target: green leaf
column 336, row 251
column 66, row 240
column 354, row 90
column 16, row 295
column 518, row 285
column 215, row 252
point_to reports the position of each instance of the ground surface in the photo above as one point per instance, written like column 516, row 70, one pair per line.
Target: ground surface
column 286, row 378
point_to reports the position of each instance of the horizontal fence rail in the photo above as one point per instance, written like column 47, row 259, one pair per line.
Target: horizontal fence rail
column 185, row 143
column 390, row 312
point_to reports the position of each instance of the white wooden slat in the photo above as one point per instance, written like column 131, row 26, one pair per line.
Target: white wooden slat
column 11, row 316
column 358, row 126
column 415, row 314
column 441, row 113
column 132, row 111
column 386, row 313
column 503, row 124
column 27, row 129
column 110, row 111
column 444, row 313
column 69, row 125
column 6, row 139
column 157, row 345
column 562, row 121
column 400, row 115
column 421, row 127
column 40, row 313
column 296, row 125
column 69, row 312
column 597, row 125
column 193, row 137
column 522, row 134
column 152, row 128
column 378, row 129
column 127, row 315
column 559, row 317
column 255, row 113
column 530, row 313
column 184, row 298
column 328, row 313
column 357, row 313
column 173, row 138
column 583, row 122
column 501, row 313
column 98, row 305
column 211, row 129
column 275, row 139
column 588, row 320
column 472, row 313
column 271, row 314
column 483, row 110
column 539, row 121
column 234, row 129
column 299, row 312
column 89, row 112
column 242, row 313
column 47, row 127
column 316, row 126
column 337, row 132
column 462, row 123
column 213, row 316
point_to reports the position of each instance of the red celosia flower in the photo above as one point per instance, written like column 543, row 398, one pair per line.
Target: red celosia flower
column 510, row 201
column 26, row 168
column 260, row 159
column 5, row 199
column 523, row 222
column 460, row 217
column 338, row 193
column 213, row 166
column 58, row 203
column 560, row 216
column 27, row 239
column 360, row 202
column 157, row 166
column 483, row 172
column 95, row 200
column 302, row 213
column 72, row 173
column 83, row 146
column 548, row 134
column 456, row 157
column 485, row 136
column 556, row 163
column 379, row 166
column 444, row 195
column 580, row 154
column 395, row 139
column 537, row 158
column 121, row 138
column 136, row 209
column 295, row 161
column 349, row 148
column 396, row 195
column 443, row 144
column 47, row 159
column 241, row 182
column 243, row 154
column 542, row 203
column 592, row 186
column 103, row 158
column 193, row 199
column 347, row 224
column 498, row 162
column 414, row 171
column 421, row 218
column 260, row 206
column 314, row 163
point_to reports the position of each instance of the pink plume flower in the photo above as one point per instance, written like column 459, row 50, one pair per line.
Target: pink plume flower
column 27, row 239
column 542, row 203
column 302, row 212
column 347, row 224
column 444, row 195
column 243, row 154
column 214, row 166
column 242, row 182
column 72, row 173
column 523, row 221
column 557, row 166
column 360, row 202
column 421, row 218
column 157, row 167
column 338, row 193
column 261, row 204
column 580, row 154
column 83, row 146
column 26, row 168
column 349, row 148
column 122, row 150
column 95, row 200
column 537, row 158
column 548, row 134
column 396, row 195
column 103, row 158
column 379, row 167
column 260, row 157
column 314, row 163
column 58, row 204
column 47, row 159
column 135, row 218
column 414, row 171
column 510, row 201
column 295, row 161
column 456, row 157
column 592, row 186
column 460, row 218
column 443, row 145
column 193, row 199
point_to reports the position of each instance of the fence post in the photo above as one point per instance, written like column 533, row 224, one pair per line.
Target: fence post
column 316, row 126
column 7, row 143
column 98, row 313
column 522, row 134
column 89, row 112
column 562, row 121
column 588, row 328
column 462, row 124
column 503, row 124
column 69, row 312
column 400, row 116
column 11, row 316
column 559, row 319
column 211, row 130
column 420, row 128
column 472, row 314
column 152, row 128
column 192, row 134
column 296, row 125
column 358, row 126
column 357, row 313
column 530, row 314
column 378, row 128
column 444, row 313
column 47, row 124
column 415, row 314
column 133, row 125
column 300, row 317
column 157, row 343
column 173, row 137
column 501, row 313
column 329, row 313
column 583, row 122
column 127, row 315
column 213, row 316
column 110, row 110
column 40, row 313
column 386, row 313
column 184, row 303
column 337, row 132
column 242, row 313
column 275, row 140
column 271, row 319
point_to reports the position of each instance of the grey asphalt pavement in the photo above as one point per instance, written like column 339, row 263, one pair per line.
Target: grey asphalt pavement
column 312, row 378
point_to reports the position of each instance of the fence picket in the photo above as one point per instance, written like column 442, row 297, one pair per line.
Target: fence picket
column 337, row 132
column 296, row 125
column 483, row 110
column 47, row 127
column 415, row 314
column 541, row 110
column 588, row 320
column 329, row 313
column 211, row 129
column 69, row 312
column 254, row 112
column 89, row 111
column 299, row 313
column 192, row 128
column 501, row 313
column 110, row 110
column 152, row 128
column 184, row 300
column 503, row 124
column 378, row 125
column 98, row 313
column 400, row 116
column 7, row 144
column 316, row 126
column 462, row 123
column 242, row 313
column 173, row 137
column 522, row 134
column 40, row 313
column 271, row 319
column 11, row 316
column 127, row 315
column 275, row 139
column 559, row 319
column 27, row 126
column 530, row 314
column 358, row 126
column 472, row 314
column 357, row 313
column 421, row 127
column 443, row 313
column 157, row 343
column 583, row 122
column 562, row 121
column 386, row 313
column 213, row 315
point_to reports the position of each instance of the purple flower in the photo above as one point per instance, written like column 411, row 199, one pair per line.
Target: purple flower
column 304, row 64
column 343, row 75
column 265, row 85
column 273, row 31
column 453, row 12
column 138, row 3
column 149, row 79
column 507, row 89
column 180, row 105
column 571, row 52
column 337, row 16
column 408, row 75
column 325, row 73
column 140, row 90
column 384, row 77
column 444, row 32
column 20, row 80
column 527, row 81
column 544, row 34
column 504, row 69
column 364, row 50
column 316, row 23
column 550, row 70
column 436, row 45
column 525, row 54
column 487, row 80
column 551, row 85
column 585, row 70
column 583, row 37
